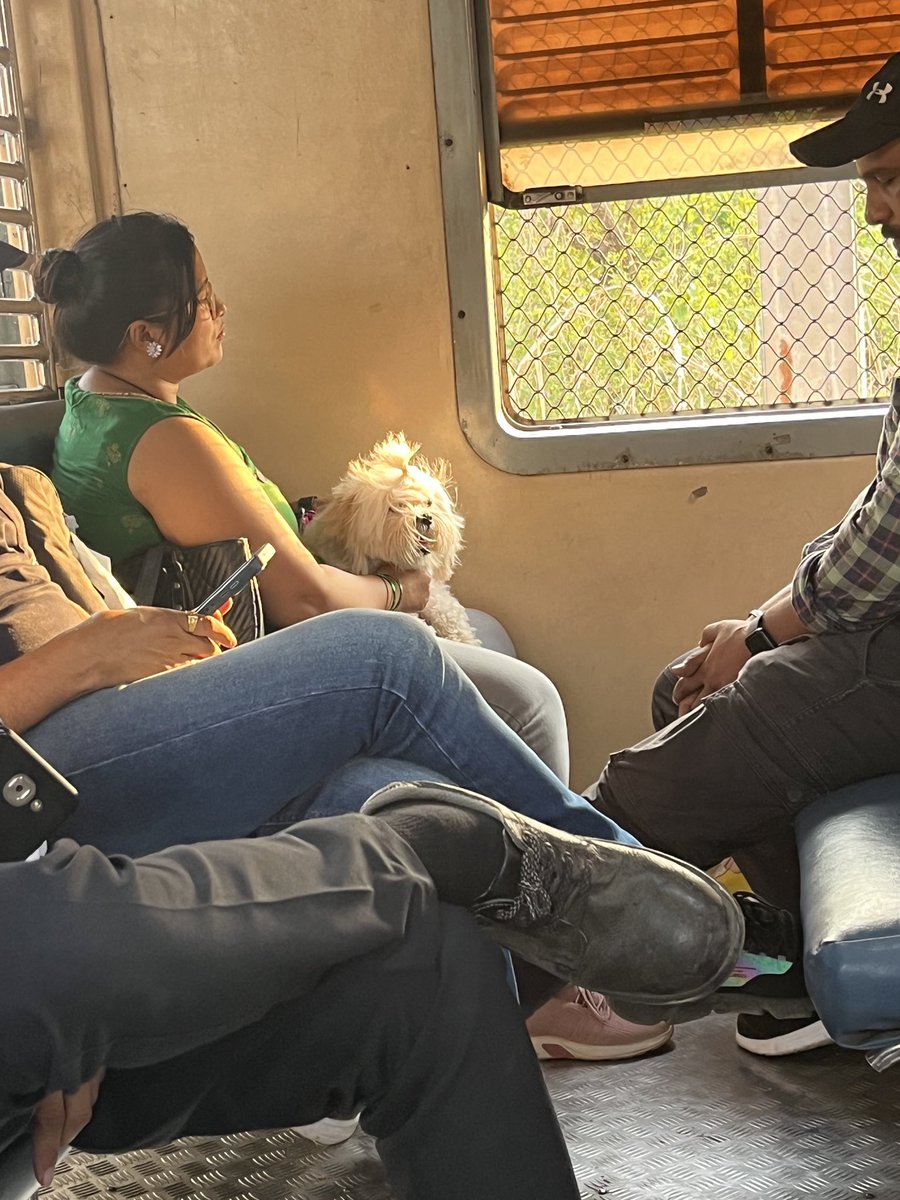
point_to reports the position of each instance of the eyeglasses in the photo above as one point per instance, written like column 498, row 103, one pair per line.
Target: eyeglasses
column 207, row 298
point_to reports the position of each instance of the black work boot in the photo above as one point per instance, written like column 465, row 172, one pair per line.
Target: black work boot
column 624, row 921
column 768, row 931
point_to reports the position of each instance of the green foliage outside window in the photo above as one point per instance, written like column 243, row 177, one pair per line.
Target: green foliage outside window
column 653, row 307
column 879, row 287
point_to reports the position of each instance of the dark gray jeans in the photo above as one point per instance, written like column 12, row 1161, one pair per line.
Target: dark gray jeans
column 262, row 983
column 730, row 777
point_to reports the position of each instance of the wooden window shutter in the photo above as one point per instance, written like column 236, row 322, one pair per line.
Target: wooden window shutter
column 827, row 49
column 581, row 67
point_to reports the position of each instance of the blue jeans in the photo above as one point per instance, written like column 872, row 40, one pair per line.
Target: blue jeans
column 316, row 716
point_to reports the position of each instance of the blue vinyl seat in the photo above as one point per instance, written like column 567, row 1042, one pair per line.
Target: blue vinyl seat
column 849, row 844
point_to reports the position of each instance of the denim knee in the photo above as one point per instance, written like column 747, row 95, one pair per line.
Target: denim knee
column 399, row 634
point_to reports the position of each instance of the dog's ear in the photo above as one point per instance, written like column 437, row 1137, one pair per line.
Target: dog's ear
column 363, row 514
column 442, row 472
column 446, row 534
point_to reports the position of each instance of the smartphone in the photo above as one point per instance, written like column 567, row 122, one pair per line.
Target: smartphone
column 236, row 581
column 34, row 798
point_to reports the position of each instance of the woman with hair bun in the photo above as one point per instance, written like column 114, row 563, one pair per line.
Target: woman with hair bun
column 134, row 300
column 135, row 464
column 59, row 277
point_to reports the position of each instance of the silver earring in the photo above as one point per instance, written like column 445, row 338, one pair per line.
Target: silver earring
column 154, row 349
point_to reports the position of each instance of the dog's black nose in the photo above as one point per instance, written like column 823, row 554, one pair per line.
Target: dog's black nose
column 423, row 524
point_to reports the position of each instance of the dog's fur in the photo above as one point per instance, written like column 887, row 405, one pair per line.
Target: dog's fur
column 393, row 507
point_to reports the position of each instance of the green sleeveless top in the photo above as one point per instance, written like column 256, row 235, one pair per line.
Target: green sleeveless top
column 96, row 439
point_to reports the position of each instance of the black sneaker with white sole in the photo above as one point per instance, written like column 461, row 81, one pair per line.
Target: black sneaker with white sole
column 769, row 932
column 775, row 1037
column 624, row 921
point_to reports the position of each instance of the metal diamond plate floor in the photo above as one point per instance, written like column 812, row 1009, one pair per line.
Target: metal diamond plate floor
column 700, row 1121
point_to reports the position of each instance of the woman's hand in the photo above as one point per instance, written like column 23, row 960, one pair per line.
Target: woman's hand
column 416, row 586
column 119, row 647
column 55, row 1121
column 105, row 650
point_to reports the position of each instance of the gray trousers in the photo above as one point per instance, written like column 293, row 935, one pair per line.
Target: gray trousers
column 268, row 982
column 730, row 777
column 524, row 699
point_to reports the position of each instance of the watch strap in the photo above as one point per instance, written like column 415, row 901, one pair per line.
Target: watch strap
column 758, row 639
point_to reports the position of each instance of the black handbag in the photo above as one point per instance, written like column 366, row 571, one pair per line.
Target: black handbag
column 34, row 798
column 169, row 576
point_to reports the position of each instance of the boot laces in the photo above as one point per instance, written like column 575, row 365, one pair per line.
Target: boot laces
column 595, row 1002
column 548, row 876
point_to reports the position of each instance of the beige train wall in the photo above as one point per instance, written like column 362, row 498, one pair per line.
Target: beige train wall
column 297, row 139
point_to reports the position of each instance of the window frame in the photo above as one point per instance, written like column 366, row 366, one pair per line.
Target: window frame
column 469, row 176
column 41, row 350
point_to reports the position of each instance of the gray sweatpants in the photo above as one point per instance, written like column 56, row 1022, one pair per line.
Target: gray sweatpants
column 730, row 777
column 522, row 697
column 267, row 982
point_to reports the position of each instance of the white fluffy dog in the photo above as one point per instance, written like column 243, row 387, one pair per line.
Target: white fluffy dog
column 393, row 507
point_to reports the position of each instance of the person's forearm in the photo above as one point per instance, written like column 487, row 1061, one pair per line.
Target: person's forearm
column 295, row 587
column 44, row 680
column 354, row 591
column 290, row 595
column 780, row 617
column 779, row 595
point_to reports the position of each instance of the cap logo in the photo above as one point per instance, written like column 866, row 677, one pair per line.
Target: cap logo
column 881, row 90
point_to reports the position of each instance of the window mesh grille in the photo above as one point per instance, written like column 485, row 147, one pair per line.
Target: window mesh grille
column 715, row 302
column 24, row 355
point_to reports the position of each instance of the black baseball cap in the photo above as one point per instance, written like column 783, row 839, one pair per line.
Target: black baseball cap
column 872, row 122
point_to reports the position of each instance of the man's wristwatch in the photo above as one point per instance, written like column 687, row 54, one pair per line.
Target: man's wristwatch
column 758, row 638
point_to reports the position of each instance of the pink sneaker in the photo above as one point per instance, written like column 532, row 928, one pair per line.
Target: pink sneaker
column 580, row 1024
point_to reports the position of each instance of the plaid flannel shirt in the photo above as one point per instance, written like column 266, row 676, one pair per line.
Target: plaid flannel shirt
column 849, row 576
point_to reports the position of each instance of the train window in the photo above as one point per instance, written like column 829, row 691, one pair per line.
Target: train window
column 659, row 282
column 25, row 369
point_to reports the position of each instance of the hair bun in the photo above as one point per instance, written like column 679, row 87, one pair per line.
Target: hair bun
column 59, row 276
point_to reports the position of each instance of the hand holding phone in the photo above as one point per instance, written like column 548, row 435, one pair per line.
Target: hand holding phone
column 236, row 581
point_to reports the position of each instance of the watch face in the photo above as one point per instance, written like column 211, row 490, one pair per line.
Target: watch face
column 752, row 641
column 757, row 640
